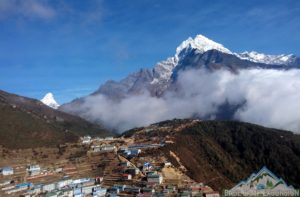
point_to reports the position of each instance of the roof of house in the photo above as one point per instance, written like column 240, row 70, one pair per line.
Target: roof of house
column 153, row 176
column 212, row 192
column 7, row 168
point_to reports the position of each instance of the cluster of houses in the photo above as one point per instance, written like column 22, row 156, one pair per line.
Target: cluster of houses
column 195, row 190
column 129, row 153
column 65, row 187
column 103, row 148
column 32, row 170
column 88, row 139
column 141, row 180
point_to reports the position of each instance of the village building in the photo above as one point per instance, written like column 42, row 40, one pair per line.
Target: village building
column 98, row 179
column 36, row 189
column 206, row 189
column 135, row 190
column 171, row 188
column 114, row 190
column 88, row 183
column 5, row 182
column 108, row 148
column 167, row 164
column 64, row 182
column 81, row 180
column 120, row 187
column 48, row 187
column 58, row 170
column 33, row 170
column 86, row 140
column 147, row 166
column 104, row 148
column 24, row 185
column 132, row 153
column 132, row 171
column 87, row 189
column 52, row 194
column 148, row 190
column 112, row 195
column 77, row 192
column 186, row 193
column 68, row 192
column 154, row 178
column 126, row 176
column 7, row 171
column 159, row 194
column 196, row 188
column 99, row 192
column 212, row 194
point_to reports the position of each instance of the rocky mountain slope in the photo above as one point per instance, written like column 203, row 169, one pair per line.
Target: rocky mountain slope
column 26, row 123
column 221, row 153
column 199, row 52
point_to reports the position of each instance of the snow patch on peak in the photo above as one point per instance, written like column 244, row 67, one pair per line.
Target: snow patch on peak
column 163, row 70
column 50, row 101
column 254, row 56
column 202, row 44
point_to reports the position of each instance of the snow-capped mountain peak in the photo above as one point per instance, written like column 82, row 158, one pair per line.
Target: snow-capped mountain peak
column 254, row 56
column 50, row 101
column 202, row 44
column 164, row 69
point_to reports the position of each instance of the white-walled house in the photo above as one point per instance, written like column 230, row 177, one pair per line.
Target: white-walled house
column 86, row 140
column 7, row 171
column 33, row 170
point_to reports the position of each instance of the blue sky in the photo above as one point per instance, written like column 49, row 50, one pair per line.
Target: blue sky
column 71, row 47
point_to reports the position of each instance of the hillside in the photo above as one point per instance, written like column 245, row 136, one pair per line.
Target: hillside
column 221, row 153
column 27, row 123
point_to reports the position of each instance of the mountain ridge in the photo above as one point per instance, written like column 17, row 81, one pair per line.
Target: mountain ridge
column 161, row 74
column 221, row 153
column 197, row 53
column 27, row 123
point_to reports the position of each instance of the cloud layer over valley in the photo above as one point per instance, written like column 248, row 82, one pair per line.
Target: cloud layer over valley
column 267, row 97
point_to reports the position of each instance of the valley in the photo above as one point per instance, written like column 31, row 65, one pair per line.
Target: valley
column 178, row 157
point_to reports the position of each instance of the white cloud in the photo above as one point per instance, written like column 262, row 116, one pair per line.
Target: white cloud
column 272, row 99
column 28, row 9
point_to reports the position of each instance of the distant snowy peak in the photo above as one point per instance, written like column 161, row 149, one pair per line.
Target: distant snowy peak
column 50, row 101
column 202, row 44
column 267, row 59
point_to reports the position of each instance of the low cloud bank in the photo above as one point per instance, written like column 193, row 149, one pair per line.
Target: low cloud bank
column 271, row 98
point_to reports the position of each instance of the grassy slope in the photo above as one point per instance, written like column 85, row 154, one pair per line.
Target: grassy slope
column 27, row 123
column 221, row 153
column 226, row 151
